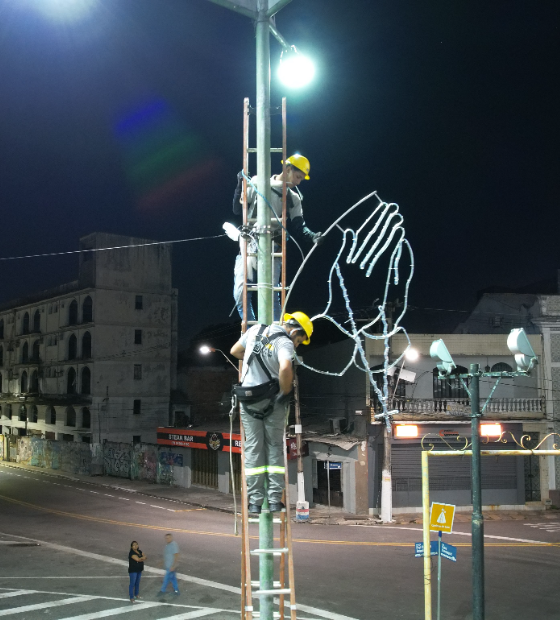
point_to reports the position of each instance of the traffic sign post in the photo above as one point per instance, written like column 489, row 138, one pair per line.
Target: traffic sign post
column 441, row 520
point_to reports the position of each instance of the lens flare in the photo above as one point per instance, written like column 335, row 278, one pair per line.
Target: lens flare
column 295, row 70
column 63, row 10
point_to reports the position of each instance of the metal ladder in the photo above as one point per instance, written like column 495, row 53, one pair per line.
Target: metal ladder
column 284, row 586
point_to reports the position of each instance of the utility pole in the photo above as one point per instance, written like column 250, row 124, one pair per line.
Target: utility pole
column 477, row 517
column 386, row 481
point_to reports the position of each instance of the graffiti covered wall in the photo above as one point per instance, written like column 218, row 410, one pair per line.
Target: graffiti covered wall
column 144, row 465
column 116, row 459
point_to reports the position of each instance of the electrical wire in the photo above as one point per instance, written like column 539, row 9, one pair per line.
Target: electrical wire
column 117, row 247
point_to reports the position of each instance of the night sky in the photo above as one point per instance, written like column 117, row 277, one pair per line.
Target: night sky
column 128, row 120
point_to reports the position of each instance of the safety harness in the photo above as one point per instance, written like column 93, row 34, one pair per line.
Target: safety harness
column 268, row 390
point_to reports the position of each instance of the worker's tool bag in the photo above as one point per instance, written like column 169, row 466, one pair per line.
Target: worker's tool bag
column 255, row 393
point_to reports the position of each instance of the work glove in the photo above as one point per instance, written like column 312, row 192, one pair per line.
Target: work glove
column 282, row 399
column 240, row 179
column 318, row 238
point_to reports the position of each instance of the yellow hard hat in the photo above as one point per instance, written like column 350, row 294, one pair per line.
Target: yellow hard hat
column 301, row 163
column 303, row 320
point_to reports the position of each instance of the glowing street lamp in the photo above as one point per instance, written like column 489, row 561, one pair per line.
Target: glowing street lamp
column 295, row 69
column 205, row 350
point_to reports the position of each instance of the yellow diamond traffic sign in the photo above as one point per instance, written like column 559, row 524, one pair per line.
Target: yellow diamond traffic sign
column 441, row 517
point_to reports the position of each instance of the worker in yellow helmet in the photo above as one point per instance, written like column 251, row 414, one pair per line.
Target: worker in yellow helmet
column 296, row 170
column 264, row 393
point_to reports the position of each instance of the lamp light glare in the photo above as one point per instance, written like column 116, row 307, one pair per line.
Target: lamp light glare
column 412, row 354
column 406, row 431
column 491, row 430
column 205, row 349
column 63, row 10
column 295, row 70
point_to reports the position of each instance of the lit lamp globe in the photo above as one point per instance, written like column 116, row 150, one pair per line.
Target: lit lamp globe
column 205, row 349
column 412, row 354
column 295, row 70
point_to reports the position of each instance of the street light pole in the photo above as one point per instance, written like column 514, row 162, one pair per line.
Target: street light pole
column 264, row 267
column 477, row 518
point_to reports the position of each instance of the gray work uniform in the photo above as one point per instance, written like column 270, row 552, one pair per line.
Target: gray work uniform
column 264, row 438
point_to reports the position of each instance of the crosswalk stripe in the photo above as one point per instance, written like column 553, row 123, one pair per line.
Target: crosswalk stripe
column 113, row 612
column 64, row 601
column 13, row 593
column 199, row 613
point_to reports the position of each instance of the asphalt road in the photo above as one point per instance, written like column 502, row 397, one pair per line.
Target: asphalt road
column 79, row 569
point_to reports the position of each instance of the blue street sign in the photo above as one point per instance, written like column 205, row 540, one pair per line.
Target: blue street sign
column 449, row 552
column 419, row 549
column 334, row 465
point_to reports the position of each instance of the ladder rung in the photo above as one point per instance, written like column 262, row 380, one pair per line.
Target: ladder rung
column 268, row 592
column 274, row 254
column 258, row 520
column 275, row 614
column 274, row 149
column 277, row 551
column 275, row 584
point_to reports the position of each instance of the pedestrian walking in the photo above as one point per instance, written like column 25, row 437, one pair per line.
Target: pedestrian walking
column 136, row 561
column 170, row 561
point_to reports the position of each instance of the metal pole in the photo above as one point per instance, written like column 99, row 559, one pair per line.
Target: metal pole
column 264, row 267
column 426, row 537
column 439, row 577
column 477, row 518
column 386, row 481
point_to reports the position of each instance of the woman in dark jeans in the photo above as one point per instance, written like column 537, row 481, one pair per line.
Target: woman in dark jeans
column 136, row 561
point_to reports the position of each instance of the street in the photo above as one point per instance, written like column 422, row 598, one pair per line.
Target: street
column 64, row 546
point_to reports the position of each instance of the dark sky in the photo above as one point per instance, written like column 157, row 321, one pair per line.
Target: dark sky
column 129, row 120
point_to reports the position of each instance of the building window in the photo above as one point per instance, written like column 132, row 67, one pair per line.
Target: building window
column 87, row 310
column 86, row 346
column 23, row 383
column 137, row 372
column 1, row 328
column 37, row 322
column 70, row 416
column 136, row 407
column 34, row 385
column 86, row 418
column 9, row 411
column 50, row 415
column 1, row 384
column 36, row 352
column 139, row 302
column 22, row 413
column 72, row 347
column 1, row 356
column 501, row 367
column 34, row 417
column 73, row 313
column 136, row 439
column 25, row 326
column 86, row 381
column 25, row 353
column 450, row 387
column 71, row 382
column 137, row 336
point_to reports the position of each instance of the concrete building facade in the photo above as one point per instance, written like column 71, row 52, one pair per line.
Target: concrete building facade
column 94, row 359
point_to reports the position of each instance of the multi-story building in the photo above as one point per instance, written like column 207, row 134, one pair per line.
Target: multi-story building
column 94, row 359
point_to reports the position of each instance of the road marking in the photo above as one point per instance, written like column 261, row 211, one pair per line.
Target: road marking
column 187, row 509
column 126, row 499
column 108, row 495
column 417, row 529
column 193, row 614
column 143, row 503
column 10, row 594
column 320, row 613
column 160, row 507
column 25, row 608
column 113, row 612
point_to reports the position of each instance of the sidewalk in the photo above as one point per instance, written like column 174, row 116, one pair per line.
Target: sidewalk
column 214, row 500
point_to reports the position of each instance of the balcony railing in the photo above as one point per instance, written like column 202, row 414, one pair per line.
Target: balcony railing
column 462, row 407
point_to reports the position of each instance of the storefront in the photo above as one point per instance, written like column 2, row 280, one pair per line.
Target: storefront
column 504, row 479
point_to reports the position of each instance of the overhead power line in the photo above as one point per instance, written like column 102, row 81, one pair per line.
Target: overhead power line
column 117, row 247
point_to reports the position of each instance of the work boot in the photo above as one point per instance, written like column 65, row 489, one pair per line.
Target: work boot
column 276, row 506
column 254, row 509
